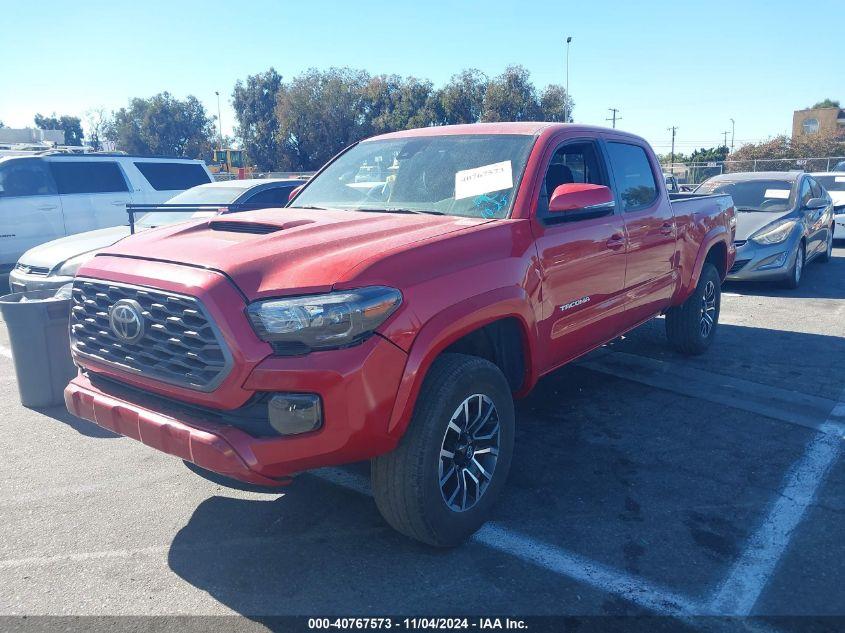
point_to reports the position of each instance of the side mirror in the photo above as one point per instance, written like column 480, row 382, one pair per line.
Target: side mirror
column 816, row 203
column 581, row 197
column 294, row 192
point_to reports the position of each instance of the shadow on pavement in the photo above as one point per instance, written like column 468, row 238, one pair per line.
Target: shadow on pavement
column 84, row 427
column 821, row 281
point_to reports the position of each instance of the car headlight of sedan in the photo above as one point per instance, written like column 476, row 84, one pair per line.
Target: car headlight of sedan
column 69, row 268
column 774, row 233
column 299, row 325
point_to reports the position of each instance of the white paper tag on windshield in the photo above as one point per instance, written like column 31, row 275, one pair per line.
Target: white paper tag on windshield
column 474, row 182
column 780, row 194
column 839, row 179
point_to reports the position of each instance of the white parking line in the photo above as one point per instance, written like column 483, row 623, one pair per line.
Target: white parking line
column 752, row 572
column 556, row 560
column 5, row 351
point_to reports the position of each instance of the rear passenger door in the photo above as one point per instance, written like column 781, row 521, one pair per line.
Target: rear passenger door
column 650, row 277
column 158, row 180
column 94, row 193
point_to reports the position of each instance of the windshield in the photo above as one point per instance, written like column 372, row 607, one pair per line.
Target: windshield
column 473, row 175
column 195, row 195
column 754, row 195
column 832, row 183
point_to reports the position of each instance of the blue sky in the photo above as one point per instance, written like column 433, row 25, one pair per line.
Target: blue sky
column 693, row 65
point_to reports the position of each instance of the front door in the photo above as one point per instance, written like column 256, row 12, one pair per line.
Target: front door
column 582, row 260
column 30, row 210
column 650, row 277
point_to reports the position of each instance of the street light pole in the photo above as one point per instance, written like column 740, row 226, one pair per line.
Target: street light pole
column 733, row 129
column 566, row 102
column 219, row 119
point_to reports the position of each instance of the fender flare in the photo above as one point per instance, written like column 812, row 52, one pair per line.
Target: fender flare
column 711, row 238
column 450, row 325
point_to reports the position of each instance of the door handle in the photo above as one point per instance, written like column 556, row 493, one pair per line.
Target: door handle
column 47, row 207
column 666, row 229
column 616, row 241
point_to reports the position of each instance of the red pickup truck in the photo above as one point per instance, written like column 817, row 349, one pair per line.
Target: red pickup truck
column 393, row 310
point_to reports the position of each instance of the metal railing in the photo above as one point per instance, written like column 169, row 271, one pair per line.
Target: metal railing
column 699, row 172
column 220, row 209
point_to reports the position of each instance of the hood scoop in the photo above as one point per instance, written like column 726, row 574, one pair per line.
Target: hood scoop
column 255, row 228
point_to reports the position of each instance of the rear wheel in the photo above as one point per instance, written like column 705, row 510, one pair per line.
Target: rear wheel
column 439, row 484
column 796, row 273
column 691, row 326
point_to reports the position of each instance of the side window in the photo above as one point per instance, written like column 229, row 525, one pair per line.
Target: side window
column 173, row 176
column 27, row 177
column 87, row 177
column 634, row 176
column 275, row 196
column 571, row 163
column 806, row 192
column 818, row 192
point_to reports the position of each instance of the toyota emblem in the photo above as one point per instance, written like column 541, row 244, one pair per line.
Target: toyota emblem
column 126, row 320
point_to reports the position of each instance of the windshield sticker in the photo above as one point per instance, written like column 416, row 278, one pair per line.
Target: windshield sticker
column 839, row 178
column 490, row 206
column 485, row 179
column 779, row 194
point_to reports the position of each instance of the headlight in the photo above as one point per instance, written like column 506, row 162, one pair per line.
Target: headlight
column 301, row 324
column 69, row 268
column 774, row 233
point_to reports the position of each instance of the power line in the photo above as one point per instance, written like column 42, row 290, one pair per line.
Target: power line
column 614, row 117
column 674, row 129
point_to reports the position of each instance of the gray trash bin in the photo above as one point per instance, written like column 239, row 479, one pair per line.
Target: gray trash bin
column 38, row 332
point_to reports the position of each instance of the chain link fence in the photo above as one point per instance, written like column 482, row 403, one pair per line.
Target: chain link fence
column 696, row 173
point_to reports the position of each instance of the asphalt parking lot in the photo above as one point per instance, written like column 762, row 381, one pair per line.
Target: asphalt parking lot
column 643, row 483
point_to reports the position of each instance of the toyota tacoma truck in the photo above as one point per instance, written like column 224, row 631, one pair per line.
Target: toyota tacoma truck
column 394, row 309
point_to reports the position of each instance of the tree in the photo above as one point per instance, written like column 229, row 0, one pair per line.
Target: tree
column 163, row 125
column 713, row 154
column 555, row 104
column 812, row 146
column 511, row 97
column 319, row 113
column 827, row 103
column 394, row 103
column 97, row 121
column 254, row 102
column 70, row 125
column 462, row 99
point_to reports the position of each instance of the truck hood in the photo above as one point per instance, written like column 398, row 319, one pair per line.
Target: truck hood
column 274, row 252
column 749, row 222
column 52, row 254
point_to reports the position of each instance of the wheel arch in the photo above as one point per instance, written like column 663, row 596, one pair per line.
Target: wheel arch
column 487, row 326
column 714, row 249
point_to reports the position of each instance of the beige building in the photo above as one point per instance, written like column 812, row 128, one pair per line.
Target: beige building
column 824, row 121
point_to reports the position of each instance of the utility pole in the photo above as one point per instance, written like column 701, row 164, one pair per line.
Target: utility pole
column 674, row 129
column 566, row 103
column 725, row 141
column 219, row 119
column 733, row 129
column 613, row 115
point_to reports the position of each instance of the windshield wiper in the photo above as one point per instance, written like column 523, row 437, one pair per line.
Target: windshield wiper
column 396, row 210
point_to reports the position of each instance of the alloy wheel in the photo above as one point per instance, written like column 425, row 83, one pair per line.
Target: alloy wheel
column 469, row 452
column 708, row 309
column 799, row 264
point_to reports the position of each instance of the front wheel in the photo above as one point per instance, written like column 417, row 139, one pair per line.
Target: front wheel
column 691, row 326
column 828, row 249
column 439, row 485
column 796, row 273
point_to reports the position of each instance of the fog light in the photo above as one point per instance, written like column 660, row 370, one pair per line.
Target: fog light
column 775, row 261
column 292, row 413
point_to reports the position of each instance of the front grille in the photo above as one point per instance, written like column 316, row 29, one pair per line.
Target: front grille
column 244, row 227
column 738, row 265
column 33, row 270
column 179, row 345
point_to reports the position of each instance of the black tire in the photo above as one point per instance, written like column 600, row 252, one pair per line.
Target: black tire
column 685, row 323
column 796, row 271
column 828, row 249
column 406, row 482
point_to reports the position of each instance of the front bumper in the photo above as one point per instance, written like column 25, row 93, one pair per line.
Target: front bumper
column 357, row 386
column 756, row 262
column 24, row 282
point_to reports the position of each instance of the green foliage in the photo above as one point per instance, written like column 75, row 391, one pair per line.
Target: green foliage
column 254, row 102
column 555, row 104
column 162, row 125
column 811, row 146
column 71, row 125
column 462, row 99
column 511, row 97
column 827, row 103
column 712, row 154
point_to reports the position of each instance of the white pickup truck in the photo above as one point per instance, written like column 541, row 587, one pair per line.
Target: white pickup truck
column 49, row 196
